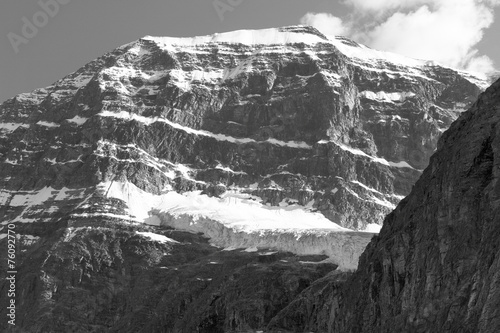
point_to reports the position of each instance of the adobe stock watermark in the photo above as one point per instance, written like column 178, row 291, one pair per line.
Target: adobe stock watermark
column 40, row 19
column 224, row 6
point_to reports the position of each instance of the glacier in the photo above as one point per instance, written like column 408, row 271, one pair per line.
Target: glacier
column 238, row 220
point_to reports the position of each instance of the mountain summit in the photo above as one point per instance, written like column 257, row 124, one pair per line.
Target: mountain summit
column 302, row 132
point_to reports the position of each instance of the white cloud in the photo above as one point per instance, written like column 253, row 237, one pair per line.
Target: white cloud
column 382, row 6
column 447, row 35
column 446, row 31
column 480, row 64
column 326, row 23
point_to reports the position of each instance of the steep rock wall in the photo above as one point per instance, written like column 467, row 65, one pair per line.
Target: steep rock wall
column 435, row 265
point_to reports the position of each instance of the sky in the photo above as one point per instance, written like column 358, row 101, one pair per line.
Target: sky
column 41, row 41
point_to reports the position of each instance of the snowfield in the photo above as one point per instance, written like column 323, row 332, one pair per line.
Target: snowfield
column 239, row 220
column 157, row 237
column 266, row 40
column 235, row 220
column 270, row 36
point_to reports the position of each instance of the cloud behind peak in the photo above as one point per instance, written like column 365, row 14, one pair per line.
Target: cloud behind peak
column 446, row 31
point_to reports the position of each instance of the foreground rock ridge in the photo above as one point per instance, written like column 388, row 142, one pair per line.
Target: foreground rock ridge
column 435, row 267
column 229, row 183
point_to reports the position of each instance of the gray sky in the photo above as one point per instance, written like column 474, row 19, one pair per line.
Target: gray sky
column 82, row 30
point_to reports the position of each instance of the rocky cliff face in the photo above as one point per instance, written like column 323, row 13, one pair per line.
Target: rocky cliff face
column 106, row 276
column 435, row 265
column 280, row 145
column 285, row 115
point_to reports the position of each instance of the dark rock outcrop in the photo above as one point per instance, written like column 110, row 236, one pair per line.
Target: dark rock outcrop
column 106, row 276
column 435, row 267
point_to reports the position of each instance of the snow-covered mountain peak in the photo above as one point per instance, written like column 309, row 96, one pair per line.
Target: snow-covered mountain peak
column 267, row 143
column 288, row 39
column 328, row 130
column 272, row 36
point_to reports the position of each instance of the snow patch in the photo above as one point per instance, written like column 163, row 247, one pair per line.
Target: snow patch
column 268, row 253
column 226, row 169
column 219, row 137
column 373, row 228
column 11, row 162
column 109, row 149
column 47, row 124
column 271, row 36
column 402, row 164
column 11, row 127
column 32, row 198
column 251, row 250
column 78, row 120
column 386, row 96
column 157, row 237
column 79, row 81
column 355, row 151
column 36, row 201
column 138, row 50
column 366, row 187
column 371, row 56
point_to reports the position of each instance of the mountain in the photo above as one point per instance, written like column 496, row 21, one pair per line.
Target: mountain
column 435, row 265
column 284, row 148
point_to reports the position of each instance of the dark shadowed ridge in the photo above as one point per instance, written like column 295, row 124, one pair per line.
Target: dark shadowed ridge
column 435, row 267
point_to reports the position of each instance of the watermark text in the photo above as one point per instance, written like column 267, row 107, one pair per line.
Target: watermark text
column 11, row 274
column 40, row 19
column 224, row 6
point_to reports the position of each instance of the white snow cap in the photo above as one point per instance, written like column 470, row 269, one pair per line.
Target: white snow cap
column 307, row 35
column 281, row 40
column 273, row 36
